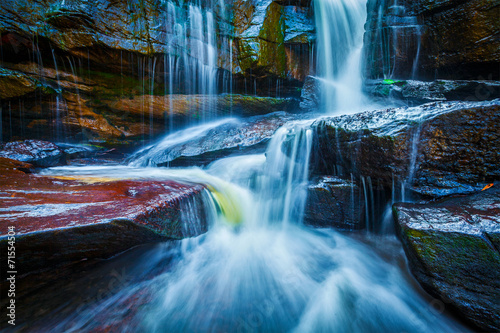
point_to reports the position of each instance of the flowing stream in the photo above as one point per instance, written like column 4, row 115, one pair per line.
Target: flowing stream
column 258, row 268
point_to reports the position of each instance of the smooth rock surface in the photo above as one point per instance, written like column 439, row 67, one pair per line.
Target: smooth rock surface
column 453, row 247
column 206, row 143
column 59, row 220
column 418, row 92
column 310, row 96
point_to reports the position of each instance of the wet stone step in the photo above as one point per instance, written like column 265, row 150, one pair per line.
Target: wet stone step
column 59, row 220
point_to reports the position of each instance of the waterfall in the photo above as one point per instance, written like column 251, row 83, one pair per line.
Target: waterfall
column 190, row 37
column 339, row 25
column 257, row 269
column 283, row 187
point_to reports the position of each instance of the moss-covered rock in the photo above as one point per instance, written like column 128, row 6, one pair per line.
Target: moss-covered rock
column 453, row 250
column 261, row 46
column 273, row 39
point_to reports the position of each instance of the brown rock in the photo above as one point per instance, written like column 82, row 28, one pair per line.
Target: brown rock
column 66, row 219
column 439, row 148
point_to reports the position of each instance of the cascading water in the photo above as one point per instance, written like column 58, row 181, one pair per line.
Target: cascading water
column 257, row 269
column 339, row 25
column 191, row 52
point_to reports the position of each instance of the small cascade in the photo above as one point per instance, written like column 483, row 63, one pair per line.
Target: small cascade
column 195, row 213
column 339, row 25
column 190, row 63
column 167, row 148
column 283, row 185
column 258, row 268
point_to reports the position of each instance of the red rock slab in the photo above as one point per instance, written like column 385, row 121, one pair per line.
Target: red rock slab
column 58, row 220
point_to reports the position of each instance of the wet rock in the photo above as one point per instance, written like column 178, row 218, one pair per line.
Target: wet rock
column 453, row 250
column 418, row 92
column 261, row 45
column 198, row 106
column 9, row 166
column 110, row 34
column 334, row 203
column 437, row 148
column 103, row 116
column 15, row 84
column 92, row 57
column 206, row 143
column 447, row 39
column 310, row 96
column 59, row 220
column 66, row 18
column 36, row 152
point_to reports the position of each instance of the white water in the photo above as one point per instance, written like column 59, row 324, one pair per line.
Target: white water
column 258, row 269
column 340, row 28
column 147, row 156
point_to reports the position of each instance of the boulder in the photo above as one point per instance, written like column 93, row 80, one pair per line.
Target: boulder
column 453, row 248
column 36, row 152
column 334, row 203
column 59, row 220
column 437, row 149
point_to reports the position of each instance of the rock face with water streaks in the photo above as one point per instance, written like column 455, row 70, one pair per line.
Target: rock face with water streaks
column 453, row 247
column 116, row 70
column 433, row 39
column 65, row 219
column 438, row 148
column 98, row 109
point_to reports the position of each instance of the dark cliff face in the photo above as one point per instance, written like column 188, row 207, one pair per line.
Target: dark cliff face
column 446, row 39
